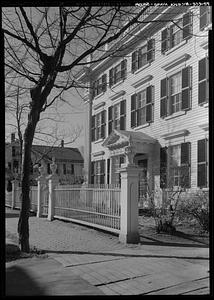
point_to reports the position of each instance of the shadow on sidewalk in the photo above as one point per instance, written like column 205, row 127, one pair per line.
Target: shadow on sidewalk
column 20, row 283
column 125, row 255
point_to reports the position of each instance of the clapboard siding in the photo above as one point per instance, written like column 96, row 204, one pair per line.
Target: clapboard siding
column 191, row 120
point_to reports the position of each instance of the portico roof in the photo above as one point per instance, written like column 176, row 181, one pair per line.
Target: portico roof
column 122, row 138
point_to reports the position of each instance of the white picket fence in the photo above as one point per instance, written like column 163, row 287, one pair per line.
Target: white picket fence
column 94, row 205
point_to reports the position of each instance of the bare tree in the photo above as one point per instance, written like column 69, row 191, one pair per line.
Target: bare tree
column 53, row 52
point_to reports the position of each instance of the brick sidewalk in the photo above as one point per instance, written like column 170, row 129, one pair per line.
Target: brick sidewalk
column 102, row 262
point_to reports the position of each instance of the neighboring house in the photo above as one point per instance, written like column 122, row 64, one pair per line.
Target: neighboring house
column 69, row 161
column 154, row 97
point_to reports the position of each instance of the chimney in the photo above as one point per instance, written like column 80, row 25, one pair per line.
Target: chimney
column 12, row 137
column 62, row 143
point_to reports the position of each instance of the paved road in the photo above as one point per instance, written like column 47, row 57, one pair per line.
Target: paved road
column 86, row 261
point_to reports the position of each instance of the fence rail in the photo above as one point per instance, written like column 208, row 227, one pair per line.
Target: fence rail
column 92, row 205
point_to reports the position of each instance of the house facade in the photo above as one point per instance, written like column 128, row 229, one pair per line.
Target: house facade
column 69, row 161
column 152, row 100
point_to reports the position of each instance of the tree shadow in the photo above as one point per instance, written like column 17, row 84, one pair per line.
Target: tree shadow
column 20, row 283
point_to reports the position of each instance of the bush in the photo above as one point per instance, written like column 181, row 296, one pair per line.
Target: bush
column 195, row 206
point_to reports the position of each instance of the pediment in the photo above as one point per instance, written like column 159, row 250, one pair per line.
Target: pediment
column 116, row 140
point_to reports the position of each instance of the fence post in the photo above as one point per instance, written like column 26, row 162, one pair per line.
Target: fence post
column 40, row 192
column 53, row 181
column 129, row 202
column 14, row 188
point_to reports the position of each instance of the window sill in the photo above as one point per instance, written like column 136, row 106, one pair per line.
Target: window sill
column 142, row 126
column 98, row 96
column 176, row 47
column 142, row 68
column 177, row 114
column 99, row 141
column 205, row 105
column 206, row 28
column 118, row 83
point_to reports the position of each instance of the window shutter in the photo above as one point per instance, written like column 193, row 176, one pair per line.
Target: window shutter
column 202, row 163
column 164, row 40
column 187, row 25
column 93, row 89
column 185, row 153
column 102, row 171
column 163, row 167
column 124, row 69
column 92, row 171
column 122, row 115
column 93, row 128
column 110, row 121
column 134, row 61
column 108, row 170
column 104, row 82
column 133, row 111
column 164, row 94
column 186, row 86
column 149, row 100
column 103, row 123
column 150, row 50
column 203, row 17
column 203, row 94
column 111, row 79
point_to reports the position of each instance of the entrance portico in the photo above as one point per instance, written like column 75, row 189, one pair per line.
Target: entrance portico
column 130, row 147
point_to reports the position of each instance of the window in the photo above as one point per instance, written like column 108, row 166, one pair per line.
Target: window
column 117, row 116
column 143, row 56
column 72, row 169
column 98, row 126
column 142, row 107
column 9, row 165
column 205, row 16
column 117, row 162
column 15, row 166
column 100, row 85
column 203, row 163
column 13, row 151
column 98, row 172
column 176, row 92
column 203, row 81
column 175, row 165
column 176, row 33
column 118, row 73
column 64, row 169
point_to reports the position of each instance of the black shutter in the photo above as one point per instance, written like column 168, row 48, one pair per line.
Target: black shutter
column 164, row 93
column 186, row 87
column 123, row 115
column 134, row 61
column 164, row 40
column 93, row 89
column 110, row 121
column 185, row 165
column 108, row 170
column 102, row 171
column 92, row 171
column 133, row 111
column 103, row 123
column 111, row 79
column 104, row 82
column 187, row 25
column 124, row 69
column 149, row 100
column 163, row 167
column 150, row 50
column 202, row 163
column 203, row 80
column 93, row 129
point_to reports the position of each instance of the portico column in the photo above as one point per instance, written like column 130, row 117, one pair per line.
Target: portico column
column 129, row 205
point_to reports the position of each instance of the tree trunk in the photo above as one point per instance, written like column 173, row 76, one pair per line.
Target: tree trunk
column 23, row 224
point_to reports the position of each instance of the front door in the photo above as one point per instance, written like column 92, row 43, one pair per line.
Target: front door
column 142, row 189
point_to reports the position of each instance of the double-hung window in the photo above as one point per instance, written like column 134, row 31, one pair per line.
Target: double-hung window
column 98, row 126
column 117, row 116
column 177, row 32
column 203, row 81
column 202, row 163
column 143, row 55
column 118, row 73
column 100, row 85
column 205, row 16
column 175, row 165
column 142, row 107
column 175, row 93
column 98, row 172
